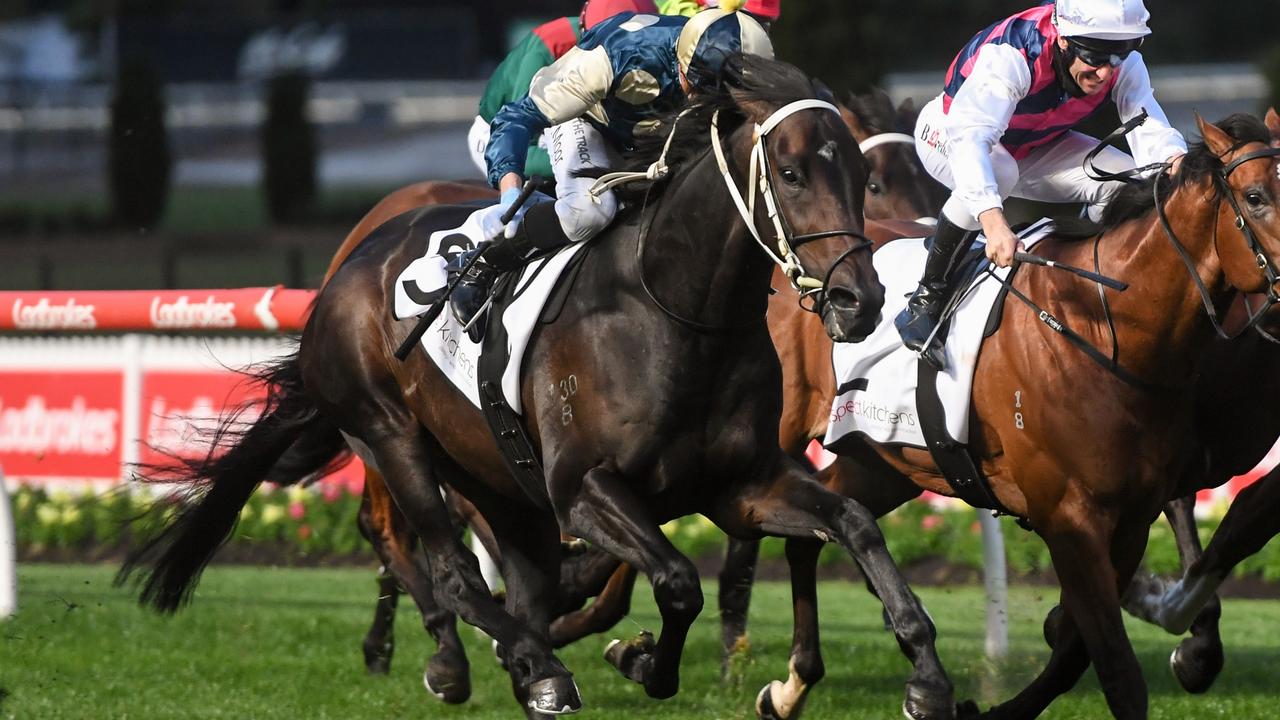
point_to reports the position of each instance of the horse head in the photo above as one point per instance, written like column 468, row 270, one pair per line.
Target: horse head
column 812, row 177
column 1248, row 229
column 898, row 186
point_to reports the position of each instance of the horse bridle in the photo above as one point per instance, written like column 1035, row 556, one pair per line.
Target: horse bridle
column 1264, row 261
column 759, row 174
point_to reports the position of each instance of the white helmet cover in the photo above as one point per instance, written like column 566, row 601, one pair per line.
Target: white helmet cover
column 1102, row 19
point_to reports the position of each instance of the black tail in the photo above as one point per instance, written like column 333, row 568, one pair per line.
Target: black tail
column 288, row 442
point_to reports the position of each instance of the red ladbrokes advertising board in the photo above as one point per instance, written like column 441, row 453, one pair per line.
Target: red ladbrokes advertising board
column 70, row 424
column 63, row 424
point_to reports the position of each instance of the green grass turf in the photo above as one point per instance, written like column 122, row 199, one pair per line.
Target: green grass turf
column 285, row 643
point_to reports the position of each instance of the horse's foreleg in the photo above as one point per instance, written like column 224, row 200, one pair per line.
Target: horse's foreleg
column 1093, row 562
column 406, row 455
column 736, row 578
column 785, row 700
column 607, row 512
column 1197, row 660
column 792, row 504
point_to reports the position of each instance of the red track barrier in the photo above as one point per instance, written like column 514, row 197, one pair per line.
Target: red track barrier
column 269, row 308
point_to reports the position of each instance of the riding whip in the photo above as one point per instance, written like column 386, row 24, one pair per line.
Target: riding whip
column 424, row 320
column 1086, row 274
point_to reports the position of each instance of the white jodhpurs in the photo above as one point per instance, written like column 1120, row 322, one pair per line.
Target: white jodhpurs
column 1050, row 173
column 575, row 146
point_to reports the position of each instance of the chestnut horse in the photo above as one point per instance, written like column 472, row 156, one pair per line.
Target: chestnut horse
column 1091, row 479
column 691, row 429
column 897, row 186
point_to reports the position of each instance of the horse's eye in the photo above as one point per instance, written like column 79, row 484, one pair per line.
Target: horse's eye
column 790, row 175
column 874, row 188
column 1255, row 199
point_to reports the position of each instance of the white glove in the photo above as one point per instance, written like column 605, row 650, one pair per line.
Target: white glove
column 491, row 221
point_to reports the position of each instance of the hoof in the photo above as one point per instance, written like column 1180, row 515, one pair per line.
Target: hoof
column 448, row 683
column 1196, row 663
column 377, row 657
column 633, row 658
column 767, row 710
column 556, row 695
column 923, row 704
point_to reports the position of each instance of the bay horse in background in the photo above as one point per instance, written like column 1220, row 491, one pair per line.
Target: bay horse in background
column 692, row 430
column 1091, row 479
column 897, row 187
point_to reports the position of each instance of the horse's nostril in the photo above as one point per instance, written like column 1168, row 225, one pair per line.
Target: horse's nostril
column 843, row 299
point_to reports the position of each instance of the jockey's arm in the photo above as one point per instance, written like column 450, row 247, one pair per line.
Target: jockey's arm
column 1154, row 140
column 978, row 117
column 560, row 92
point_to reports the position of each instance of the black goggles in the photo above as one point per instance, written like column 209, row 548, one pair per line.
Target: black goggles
column 1112, row 54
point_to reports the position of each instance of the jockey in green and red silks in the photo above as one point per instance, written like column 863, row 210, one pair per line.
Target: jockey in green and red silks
column 1003, row 127
column 539, row 48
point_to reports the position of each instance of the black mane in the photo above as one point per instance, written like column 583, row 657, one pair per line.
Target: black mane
column 1136, row 200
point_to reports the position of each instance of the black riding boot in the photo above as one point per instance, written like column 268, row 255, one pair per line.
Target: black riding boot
column 924, row 308
column 539, row 231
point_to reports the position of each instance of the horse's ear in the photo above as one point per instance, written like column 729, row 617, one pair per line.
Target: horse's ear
column 1273, row 124
column 907, row 114
column 1218, row 142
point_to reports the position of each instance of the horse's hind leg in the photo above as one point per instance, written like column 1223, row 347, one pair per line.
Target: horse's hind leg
column 447, row 675
column 379, row 642
column 792, row 504
column 529, row 552
column 407, row 456
column 612, row 603
column 607, row 512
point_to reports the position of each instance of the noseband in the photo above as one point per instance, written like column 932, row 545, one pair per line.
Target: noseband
column 1265, row 263
column 787, row 242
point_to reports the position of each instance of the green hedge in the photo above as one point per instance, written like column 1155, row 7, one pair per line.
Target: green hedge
column 311, row 522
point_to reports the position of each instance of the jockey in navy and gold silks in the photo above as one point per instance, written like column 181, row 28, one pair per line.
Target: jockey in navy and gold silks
column 592, row 102
column 539, row 48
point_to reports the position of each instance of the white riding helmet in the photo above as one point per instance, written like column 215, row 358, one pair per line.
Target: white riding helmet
column 1102, row 19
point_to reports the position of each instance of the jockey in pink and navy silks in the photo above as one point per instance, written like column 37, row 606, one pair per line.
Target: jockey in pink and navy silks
column 1003, row 127
column 624, row 74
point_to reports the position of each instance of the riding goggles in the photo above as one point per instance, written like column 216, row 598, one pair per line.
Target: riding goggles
column 1104, row 53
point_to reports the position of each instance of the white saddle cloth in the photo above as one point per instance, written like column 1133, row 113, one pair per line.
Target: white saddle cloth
column 445, row 341
column 876, row 378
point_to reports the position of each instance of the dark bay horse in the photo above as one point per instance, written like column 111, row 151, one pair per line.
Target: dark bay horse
column 676, row 412
column 897, row 186
column 1091, row 479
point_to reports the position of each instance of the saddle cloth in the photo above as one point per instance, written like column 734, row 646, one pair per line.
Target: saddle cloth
column 876, row 378
column 445, row 341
